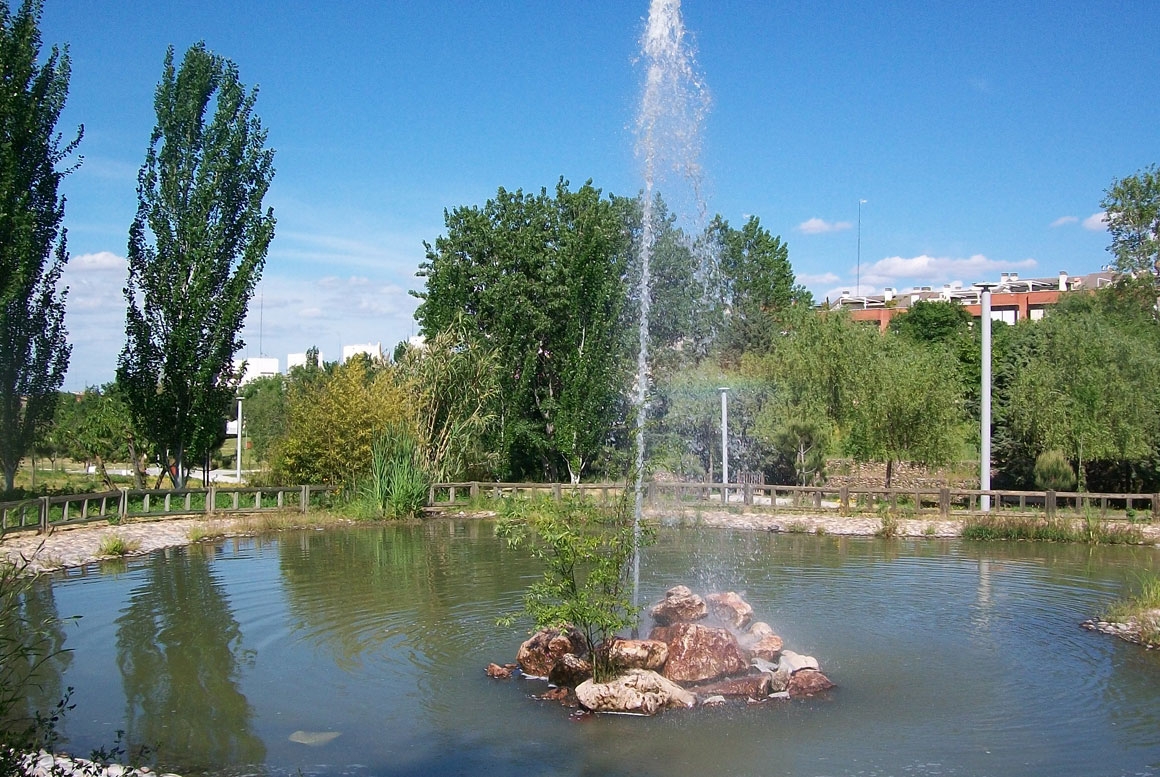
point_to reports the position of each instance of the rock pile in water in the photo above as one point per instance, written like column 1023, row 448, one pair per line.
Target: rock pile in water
column 701, row 650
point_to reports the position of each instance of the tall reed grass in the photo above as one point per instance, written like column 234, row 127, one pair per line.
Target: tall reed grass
column 397, row 484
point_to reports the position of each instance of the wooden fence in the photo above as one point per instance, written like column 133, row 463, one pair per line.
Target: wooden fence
column 935, row 503
column 47, row 512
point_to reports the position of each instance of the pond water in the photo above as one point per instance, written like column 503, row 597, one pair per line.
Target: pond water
column 951, row 658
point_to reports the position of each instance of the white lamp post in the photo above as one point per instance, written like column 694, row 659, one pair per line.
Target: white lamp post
column 724, row 443
column 239, row 431
column 985, row 399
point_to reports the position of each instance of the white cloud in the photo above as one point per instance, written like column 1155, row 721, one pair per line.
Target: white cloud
column 1059, row 222
column 810, row 279
column 899, row 271
column 1097, row 222
column 817, row 226
column 101, row 261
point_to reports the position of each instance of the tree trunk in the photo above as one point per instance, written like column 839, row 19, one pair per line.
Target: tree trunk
column 9, row 476
column 103, row 472
column 177, row 469
column 889, row 472
column 135, row 460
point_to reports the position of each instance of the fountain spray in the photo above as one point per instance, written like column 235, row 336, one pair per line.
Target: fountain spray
column 668, row 141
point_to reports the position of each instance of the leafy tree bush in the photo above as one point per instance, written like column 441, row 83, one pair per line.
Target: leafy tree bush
column 1053, row 472
column 587, row 551
column 1083, row 382
column 332, row 420
column 542, row 279
column 452, row 384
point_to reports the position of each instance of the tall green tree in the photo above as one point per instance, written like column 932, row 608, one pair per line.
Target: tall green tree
column 906, row 405
column 34, row 351
column 757, row 283
column 1132, row 205
column 196, row 251
column 1085, row 384
column 542, row 279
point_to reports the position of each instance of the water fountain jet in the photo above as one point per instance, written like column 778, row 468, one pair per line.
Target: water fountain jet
column 668, row 141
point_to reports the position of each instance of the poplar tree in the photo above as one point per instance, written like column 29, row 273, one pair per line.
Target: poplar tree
column 196, row 251
column 34, row 351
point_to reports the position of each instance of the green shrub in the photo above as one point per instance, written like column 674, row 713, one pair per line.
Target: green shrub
column 1053, row 472
column 1142, row 607
column 1091, row 530
column 115, row 545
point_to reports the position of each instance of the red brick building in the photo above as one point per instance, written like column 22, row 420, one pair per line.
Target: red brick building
column 1013, row 299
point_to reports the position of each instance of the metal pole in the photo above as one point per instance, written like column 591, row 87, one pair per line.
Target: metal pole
column 985, row 401
column 239, row 431
column 724, row 443
column 858, row 277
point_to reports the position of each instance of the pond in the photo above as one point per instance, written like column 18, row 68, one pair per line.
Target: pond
column 951, row 658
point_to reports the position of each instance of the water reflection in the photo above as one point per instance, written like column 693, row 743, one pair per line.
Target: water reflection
column 36, row 656
column 180, row 653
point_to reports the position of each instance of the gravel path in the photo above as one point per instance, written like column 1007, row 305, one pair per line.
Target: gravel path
column 76, row 546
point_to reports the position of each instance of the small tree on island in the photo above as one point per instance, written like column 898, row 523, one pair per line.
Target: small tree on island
column 587, row 550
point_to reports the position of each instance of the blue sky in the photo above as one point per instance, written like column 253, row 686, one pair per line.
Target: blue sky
column 981, row 135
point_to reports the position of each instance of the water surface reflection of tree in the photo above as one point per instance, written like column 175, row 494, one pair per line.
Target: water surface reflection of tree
column 35, row 667
column 180, row 655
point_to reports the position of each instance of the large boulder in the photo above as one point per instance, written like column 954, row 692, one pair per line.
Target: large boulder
column 680, row 605
column 807, row 682
column 796, row 662
column 569, row 671
column 753, row 686
column 698, row 653
column 638, row 654
column 730, row 609
column 768, row 647
column 546, row 647
column 640, row 691
column 761, row 642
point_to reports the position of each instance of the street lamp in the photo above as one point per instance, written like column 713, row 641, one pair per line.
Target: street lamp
column 239, row 431
column 724, row 443
column 985, row 398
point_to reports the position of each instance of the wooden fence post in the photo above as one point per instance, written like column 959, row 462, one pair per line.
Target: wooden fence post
column 1156, row 507
column 557, row 492
column 210, row 500
column 474, row 489
column 944, row 503
column 747, row 493
column 44, row 507
column 1049, row 503
column 844, row 498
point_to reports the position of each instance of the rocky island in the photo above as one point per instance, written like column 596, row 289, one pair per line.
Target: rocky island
column 700, row 651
